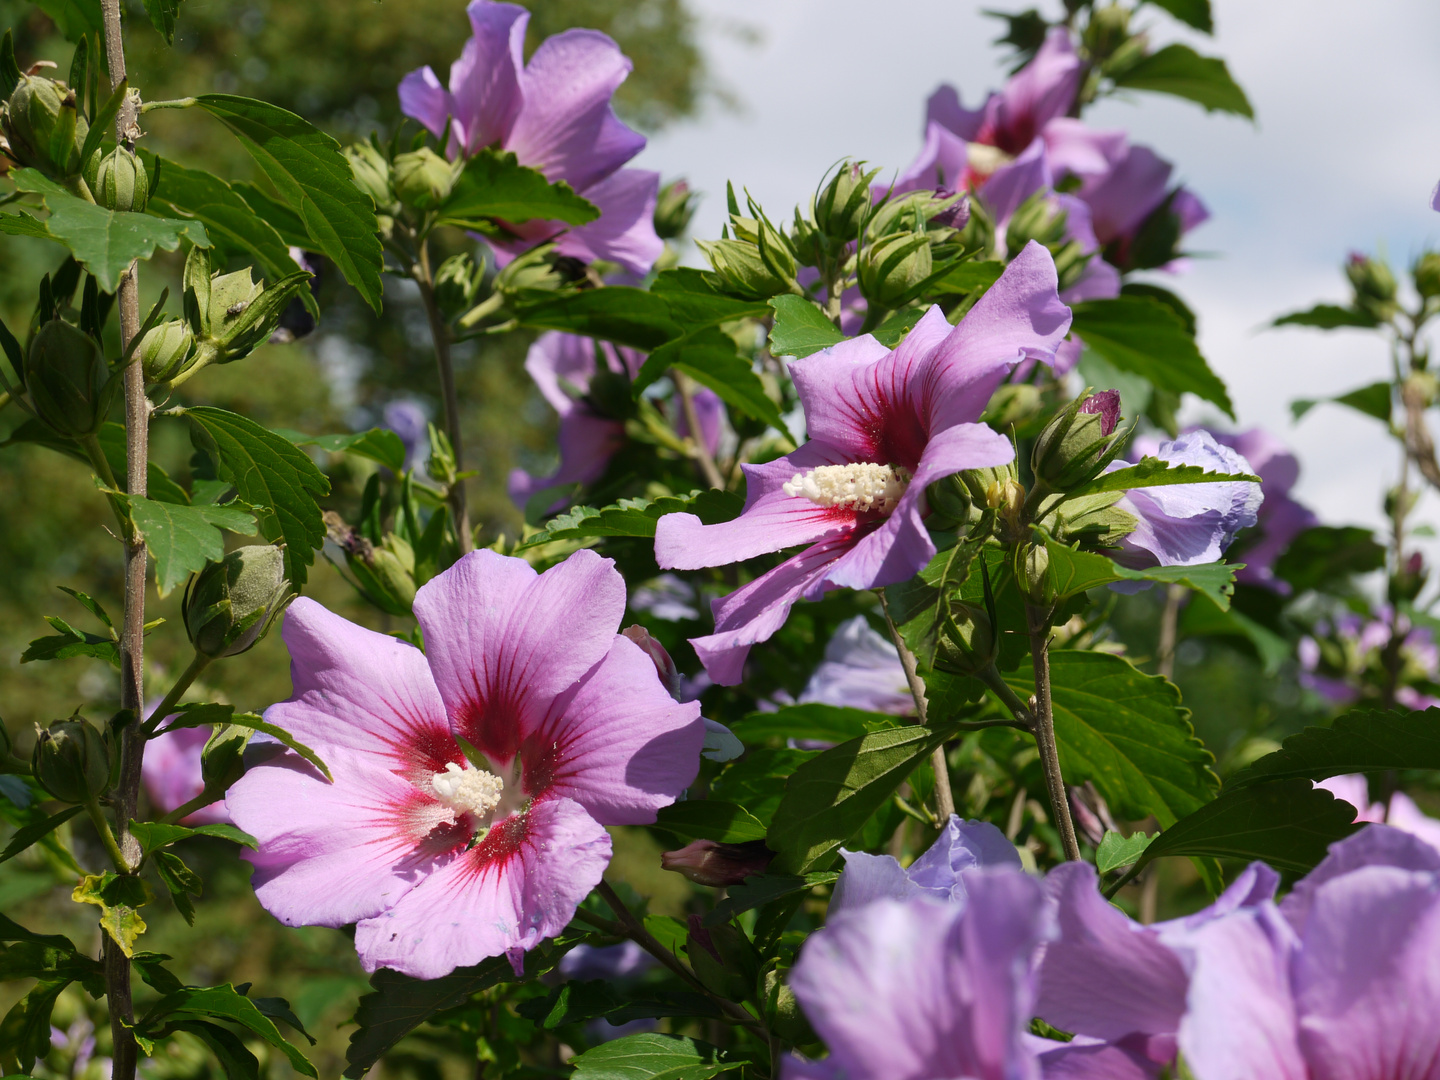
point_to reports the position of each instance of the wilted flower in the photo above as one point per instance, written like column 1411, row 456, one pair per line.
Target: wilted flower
column 554, row 114
column 442, row 860
column 883, row 424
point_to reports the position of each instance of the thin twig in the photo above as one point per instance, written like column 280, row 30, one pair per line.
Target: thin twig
column 440, row 334
column 944, row 796
column 1043, row 727
column 686, row 387
column 1169, row 628
column 167, row 703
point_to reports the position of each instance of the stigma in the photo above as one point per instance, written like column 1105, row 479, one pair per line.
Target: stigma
column 467, row 790
column 860, row 486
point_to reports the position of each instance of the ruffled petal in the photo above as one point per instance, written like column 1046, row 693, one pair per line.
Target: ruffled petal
column 504, row 642
column 620, row 746
column 1374, row 845
column 624, row 233
column 755, row 611
column 1408, row 817
column 331, row 854
column 962, row 845
column 565, row 126
column 485, row 81
column 424, row 99
column 944, row 108
column 771, row 520
column 518, row 886
column 362, row 691
column 940, row 163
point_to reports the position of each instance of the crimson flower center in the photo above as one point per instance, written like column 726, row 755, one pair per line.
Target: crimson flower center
column 861, row 486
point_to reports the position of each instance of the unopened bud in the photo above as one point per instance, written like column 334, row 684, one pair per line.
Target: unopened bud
column 1374, row 286
column 386, row 573
column 422, row 178
column 1077, row 444
column 741, row 268
column 892, row 266
column 456, row 284
column 372, row 173
column 1427, row 274
column 966, row 644
column 43, row 127
column 844, row 203
column 70, row 384
column 231, row 604
column 664, row 665
column 1032, row 573
column 706, row 862
column 121, row 182
column 164, row 350
column 222, row 762
column 950, row 504
column 674, row 208
column 71, row 760
column 1107, row 30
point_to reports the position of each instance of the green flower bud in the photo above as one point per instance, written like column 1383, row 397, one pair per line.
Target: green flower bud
column 165, row 349
column 456, row 284
column 43, row 127
column 532, row 272
column 1427, row 274
column 1038, row 218
column 372, row 172
column 742, row 270
column 1076, row 446
column 674, row 208
column 231, row 314
column 950, row 504
column 966, row 644
column 388, row 573
column 422, row 178
column 121, row 182
column 231, row 604
column 70, row 384
column 1092, row 521
column 891, row 267
column 1108, row 29
column 1374, row 286
column 844, row 202
column 71, row 760
column 222, row 762
column 1032, row 573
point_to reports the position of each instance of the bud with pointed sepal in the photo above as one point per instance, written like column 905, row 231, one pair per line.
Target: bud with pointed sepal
column 457, row 283
column 165, row 350
column 966, row 644
column 422, row 178
column 372, row 173
column 1426, row 272
column 222, row 762
column 43, row 127
column 231, row 314
column 1374, row 286
column 121, row 182
column 231, row 604
column 1032, row 573
column 674, row 208
column 70, row 385
column 891, row 267
column 71, row 760
column 1076, row 446
column 844, row 203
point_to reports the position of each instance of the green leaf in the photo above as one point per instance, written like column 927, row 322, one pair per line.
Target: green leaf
column 182, row 539
column 1365, row 740
column 39, row 960
column 1372, row 400
column 180, row 881
column 71, row 642
column 811, row 721
column 1287, row 823
column 399, row 1004
column 1152, row 472
column 237, row 1062
column 199, row 714
column 832, row 796
column 119, row 898
column 1126, row 732
column 1325, row 557
column 24, row 225
column 710, row 819
column 9, row 69
column 1182, row 72
column 1194, row 13
column 970, row 277
column 1073, row 571
column 493, row 186
column 1201, row 617
column 274, row 213
column 618, row 313
column 1116, row 851
column 30, row 834
column 653, row 1056
column 154, row 835
column 575, row 1002
column 104, row 119
column 1329, row 317
column 1143, row 335
column 759, row 890
column 694, row 301
column 893, row 330
column 162, row 16
column 636, row 517
column 801, row 328
column 1166, row 297
column 25, row 1031
column 268, row 471
column 104, row 241
column 229, row 220
column 224, row 1003
column 377, row 444
column 708, row 356
column 919, row 606
column 75, row 18
column 313, row 177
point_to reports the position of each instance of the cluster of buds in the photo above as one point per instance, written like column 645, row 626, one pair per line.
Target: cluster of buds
column 1374, row 285
column 43, row 129
column 752, row 258
column 231, row 604
column 904, row 239
column 1041, row 218
column 385, row 572
column 72, row 761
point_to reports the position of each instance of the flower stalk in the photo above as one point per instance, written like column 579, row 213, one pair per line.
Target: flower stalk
column 944, row 796
column 167, row 704
column 685, row 386
column 1043, row 728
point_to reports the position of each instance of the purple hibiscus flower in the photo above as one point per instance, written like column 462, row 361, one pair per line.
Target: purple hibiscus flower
column 1339, row 982
column 861, row 670
column 1343, row 668
column 1280, row 518
column 1188, row 524
column 882, row 424
column 442, row 860
column 924, row 990
column 1401, row 813
column 563, row 367
column 554, row 114
column 408, row 420
column 171, row 774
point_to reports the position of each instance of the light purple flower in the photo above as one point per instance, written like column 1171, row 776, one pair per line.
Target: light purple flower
column 442, row 861
column 608, row 962
column 563, row 367
column 939, row 873
column 861, row 670
column 171, row 774
column 1344, row 668
column 923, row 990
column 883, row 424
column 1189, row 524
column 409, row 421
column 554, row 114
column 1280, row 518
column 1340, row 983
column 1402, row 813
column 668, row 597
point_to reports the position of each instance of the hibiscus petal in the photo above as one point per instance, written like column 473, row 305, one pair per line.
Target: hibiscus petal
column 518, row 886
column 587, row 443
column 1015, row 181
column 1019, row 317
column 362, row 691
column 1374, row 845
column 1105, row 976
column 771, row 520
column 625, row 231
column 485, row 80
column 944, row 108
column 503, row 641
column 620, row 746
column 332, row 853
column 755, row 611
column 940, row 163
column 565, row 126
column 1088, row 1061
column 1128, row 194
column 423, row 98
column 1075, row 148
column 1042, row 90
column 556, row 359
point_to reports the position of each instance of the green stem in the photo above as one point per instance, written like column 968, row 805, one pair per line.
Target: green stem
column 1043, row 727
column 686, row 388
column 96, row 455
column 184, row 810
column 168, row 702
column 440, row 334
column 173, row 103
column 1011, row 700
column 944, row 796
column 107, row 837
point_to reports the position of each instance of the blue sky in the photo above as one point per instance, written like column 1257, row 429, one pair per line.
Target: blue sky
column 1344, row 154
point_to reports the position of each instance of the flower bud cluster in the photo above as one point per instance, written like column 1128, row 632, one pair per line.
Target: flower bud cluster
column 385, row 571
column 903, row 239
column 1374, row 285
column 43, row 129
column 758, row 261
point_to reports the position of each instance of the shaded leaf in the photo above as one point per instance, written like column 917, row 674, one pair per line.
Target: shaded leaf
column 1325, row 557
column 237, row 1062
column 708, row 356
column 801, row 328
column 31, row 834
column 180, row 881
column 224, row 1003
column 1182, row 72
column 1194, row 13
column 199, row 714
column 694, row 300
column 69, row 643
column 710, row 819
column 154, row 835
column 1329, row 317
column 493, row 186
column 25, row 1031
column 1364, row 740
column 812, row 721
column 759, row 890
column 9, row 69
column 577, row 1001
column 653, row 1056
column 162, row 16
column 377, row 444
column 618, row 313
column 74, row 18
column 1073, row 571
column 1372, row 400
